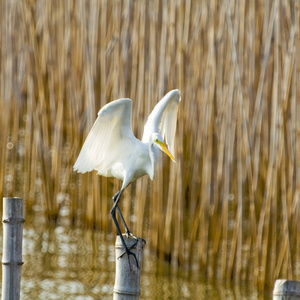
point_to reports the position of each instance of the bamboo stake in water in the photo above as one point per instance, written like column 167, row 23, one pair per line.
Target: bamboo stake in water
column 286, row 289
column 13, row 220
column 128, row 274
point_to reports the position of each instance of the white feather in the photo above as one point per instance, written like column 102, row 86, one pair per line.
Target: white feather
column 163, row 119
column 110, row 132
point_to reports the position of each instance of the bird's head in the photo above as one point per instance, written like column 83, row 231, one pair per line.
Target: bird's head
column 159, row 142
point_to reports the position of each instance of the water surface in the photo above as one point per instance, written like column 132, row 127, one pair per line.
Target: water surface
column 66, row 263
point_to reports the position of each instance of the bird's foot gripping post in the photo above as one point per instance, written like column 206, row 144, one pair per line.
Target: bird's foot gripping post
column 128, row 267
column 128, row 251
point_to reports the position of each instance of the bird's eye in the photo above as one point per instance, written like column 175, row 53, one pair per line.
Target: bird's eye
column 156, row 140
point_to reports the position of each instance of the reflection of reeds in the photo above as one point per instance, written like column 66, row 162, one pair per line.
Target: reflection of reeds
column 230, row 206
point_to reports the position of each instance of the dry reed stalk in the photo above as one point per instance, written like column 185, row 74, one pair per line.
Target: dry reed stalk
column 209, row 82
column 156, row 211
column 220, row 128
column 284, row 252
column 269, row 211
column 268, row 28
column 105, row 206
column 195, row 211
column 194, row 178
column 229, row 190
column 294, row 93
column 31, row 150
column 88, row 206
column 13, row 139
column 185, row 111
column 162, row 48
column 240, row 192
column 141, row 11
column 102, row 51
column 4, row 138
column 285, row 248
column 73, row 132
column 96, row 197
column 289, row 60
column 169, row 215
column 180, row 251
column 229, row 125
column 235, row 253
column 140, row 198
column 257, row 119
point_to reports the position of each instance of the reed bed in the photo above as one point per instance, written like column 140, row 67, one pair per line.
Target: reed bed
column 229, row 208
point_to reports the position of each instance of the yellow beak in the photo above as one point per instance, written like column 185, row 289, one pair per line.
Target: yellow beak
column 165, row 149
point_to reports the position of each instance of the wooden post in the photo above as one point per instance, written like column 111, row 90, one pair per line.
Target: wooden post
column 13, row 220
column 128, row 277
column 286, row 289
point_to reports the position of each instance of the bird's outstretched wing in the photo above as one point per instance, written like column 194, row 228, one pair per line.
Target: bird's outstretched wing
column 163, row 119
column 110, row 130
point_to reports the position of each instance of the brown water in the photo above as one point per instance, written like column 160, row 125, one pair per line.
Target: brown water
column 66, row 263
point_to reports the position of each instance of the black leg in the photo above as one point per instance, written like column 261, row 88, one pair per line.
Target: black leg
column 113, row 213
column 128, row 233
column 120, row 213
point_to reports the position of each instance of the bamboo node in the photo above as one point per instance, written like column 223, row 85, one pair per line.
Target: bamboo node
column 19, row 263
column 14, row 221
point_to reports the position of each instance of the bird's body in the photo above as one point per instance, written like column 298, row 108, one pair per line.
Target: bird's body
column 128, row 167
column 113, row 151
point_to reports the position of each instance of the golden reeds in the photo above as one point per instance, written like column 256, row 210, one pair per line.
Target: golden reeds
column 230, row 206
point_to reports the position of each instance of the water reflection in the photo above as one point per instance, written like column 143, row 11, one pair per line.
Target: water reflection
column 64, row 263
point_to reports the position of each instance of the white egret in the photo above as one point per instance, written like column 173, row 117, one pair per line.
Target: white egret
column 113, row 151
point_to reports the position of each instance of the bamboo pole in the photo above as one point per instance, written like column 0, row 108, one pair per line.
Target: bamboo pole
column 128, row 274
column 286, row 289
column 13, row 220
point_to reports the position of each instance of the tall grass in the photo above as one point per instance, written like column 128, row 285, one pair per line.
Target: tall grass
column 230, row 206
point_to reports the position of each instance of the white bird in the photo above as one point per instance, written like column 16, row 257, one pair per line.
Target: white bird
column 113, row 151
